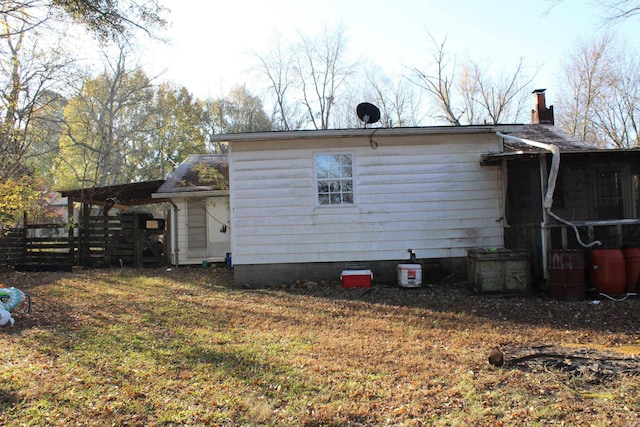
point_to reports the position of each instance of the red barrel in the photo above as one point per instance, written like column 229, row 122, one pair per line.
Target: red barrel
column 567, row 275
column 607, row 273
column 632, row 269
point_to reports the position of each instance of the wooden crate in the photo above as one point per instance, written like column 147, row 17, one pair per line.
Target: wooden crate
column 498, row 270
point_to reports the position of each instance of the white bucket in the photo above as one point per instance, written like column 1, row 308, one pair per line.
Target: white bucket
column 409, row 275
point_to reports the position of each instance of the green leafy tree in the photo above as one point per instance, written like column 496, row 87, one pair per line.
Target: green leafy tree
column 122, row 128
column 30, row 80
column 105, row 125
column 238, row 112
column 176, row 132
column 19, row 195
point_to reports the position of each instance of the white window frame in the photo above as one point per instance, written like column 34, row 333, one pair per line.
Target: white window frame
column 334, row 198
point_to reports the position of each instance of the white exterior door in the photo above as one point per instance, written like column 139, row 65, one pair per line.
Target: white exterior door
column 219, row 231
column 196, row 228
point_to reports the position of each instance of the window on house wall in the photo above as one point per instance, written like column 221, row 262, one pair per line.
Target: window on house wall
column 334, row 177
column 609, row 200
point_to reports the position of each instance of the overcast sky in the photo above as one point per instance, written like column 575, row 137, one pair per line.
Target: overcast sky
column 210, row 42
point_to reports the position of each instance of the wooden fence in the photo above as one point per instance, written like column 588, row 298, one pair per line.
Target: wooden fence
column 98, row 241
column 13, row 244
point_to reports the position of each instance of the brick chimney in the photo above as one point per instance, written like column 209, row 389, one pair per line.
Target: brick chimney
column 541, row 114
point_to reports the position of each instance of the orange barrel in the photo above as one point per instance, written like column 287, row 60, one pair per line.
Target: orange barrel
column 567, row 275
column 632, row 269
column 607, row 273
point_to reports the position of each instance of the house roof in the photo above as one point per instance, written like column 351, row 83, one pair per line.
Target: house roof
column 549, row 134
column 358, row 132
column 133, row 194
column 198, row 173
column 546, row 134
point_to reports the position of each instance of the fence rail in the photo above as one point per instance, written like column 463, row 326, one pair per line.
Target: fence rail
column 97, row 241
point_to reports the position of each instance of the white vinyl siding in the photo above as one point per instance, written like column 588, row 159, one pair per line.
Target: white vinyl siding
column 426, row 192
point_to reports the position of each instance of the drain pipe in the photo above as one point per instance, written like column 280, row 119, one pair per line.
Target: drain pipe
column 555, row 164
column 174, row 229
column 548, row 199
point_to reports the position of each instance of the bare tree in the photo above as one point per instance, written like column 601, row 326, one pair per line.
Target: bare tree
column 502, row 97
column 439, row 84
column 612, row 11
column 583, row 84
column 277, row 68
column 321, row 69
column 476, row 96
column 397, row 99
column 107, row 19
column 617, row 10
column 305, row 78
column 29, row 78
column 601, row 87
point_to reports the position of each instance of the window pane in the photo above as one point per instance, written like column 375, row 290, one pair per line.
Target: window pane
column 334, row 174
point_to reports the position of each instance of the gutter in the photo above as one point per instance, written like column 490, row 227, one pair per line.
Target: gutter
column 548, row 199
column 354, row 133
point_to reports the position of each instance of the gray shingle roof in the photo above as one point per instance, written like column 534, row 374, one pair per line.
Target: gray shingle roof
column 547, row 134
column 199, row 172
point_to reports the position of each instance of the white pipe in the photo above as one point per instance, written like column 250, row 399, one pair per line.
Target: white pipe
column 548, row 199
column 551, row 185
column 555, row 164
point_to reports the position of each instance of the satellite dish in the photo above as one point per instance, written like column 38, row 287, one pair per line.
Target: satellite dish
column 368, row 113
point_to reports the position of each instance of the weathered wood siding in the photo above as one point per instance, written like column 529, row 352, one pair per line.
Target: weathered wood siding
column 427, row 193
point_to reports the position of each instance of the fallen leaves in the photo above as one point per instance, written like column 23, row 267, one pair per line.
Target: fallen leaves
column 187, row 346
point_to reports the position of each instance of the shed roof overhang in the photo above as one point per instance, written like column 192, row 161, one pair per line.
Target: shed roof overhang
column 192, row 193
column 134, row 194
column 496, row 158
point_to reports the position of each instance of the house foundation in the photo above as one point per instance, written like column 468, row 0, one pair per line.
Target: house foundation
column 434, row 271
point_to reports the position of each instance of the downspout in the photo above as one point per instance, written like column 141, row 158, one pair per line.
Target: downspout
column 174, row 230
column 555, row 165
column 548, row 199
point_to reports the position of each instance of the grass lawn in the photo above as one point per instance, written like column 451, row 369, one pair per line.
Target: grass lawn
column 186, row 347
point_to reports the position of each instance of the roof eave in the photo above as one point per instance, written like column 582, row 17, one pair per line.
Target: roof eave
column 191, row 193
column 355, row 133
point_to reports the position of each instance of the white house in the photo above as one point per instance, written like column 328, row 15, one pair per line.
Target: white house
column 307, row 204
column 200, row 221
